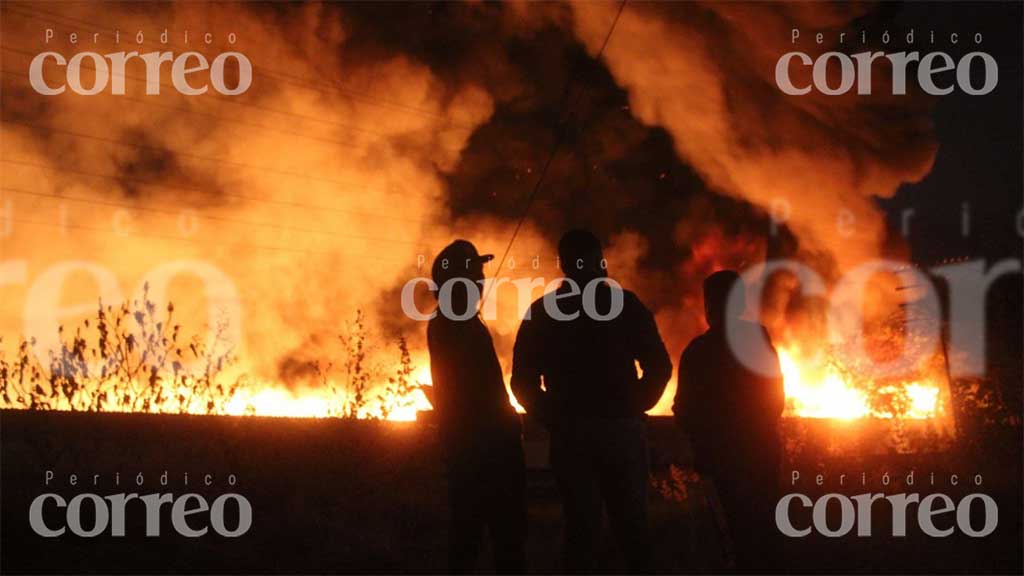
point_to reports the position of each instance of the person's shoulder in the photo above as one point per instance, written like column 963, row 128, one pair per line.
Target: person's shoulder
column 439, row 326
column 533, row 320
column 537, row 311
column 696, row 346
column 538, row 304
column 630, row 297
column 436, row 321
column 699, row 341
column 632, row 302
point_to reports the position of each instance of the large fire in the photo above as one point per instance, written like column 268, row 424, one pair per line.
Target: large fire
column 251, row 399
column 812, row 391
column 820, row 390
column 322, row 188
column 815, row 388
column 278, row 401
column 138, row 364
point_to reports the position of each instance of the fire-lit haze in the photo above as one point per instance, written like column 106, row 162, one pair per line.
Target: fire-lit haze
column 287, row 219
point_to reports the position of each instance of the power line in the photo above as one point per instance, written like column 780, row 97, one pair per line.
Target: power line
column 400, row 191
column 200, row 157
column 222, row 99
column 560, row 137
column 282, row 77
column 219, row 118
column 215, row 218
column 226, row 194
column 153, row 102
column 185, row 239
column 375, row 100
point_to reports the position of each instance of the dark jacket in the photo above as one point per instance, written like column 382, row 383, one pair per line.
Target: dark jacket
column 730, row 412
column 588, row 366
column 472, row 404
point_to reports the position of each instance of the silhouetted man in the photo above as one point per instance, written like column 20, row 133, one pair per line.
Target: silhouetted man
column 729, row 401
column 480, row 432
column 582, row 343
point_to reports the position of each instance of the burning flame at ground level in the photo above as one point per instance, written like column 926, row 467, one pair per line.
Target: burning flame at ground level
column 812, row 391
column 281, row 402
column 821, row 391
column 318, row 404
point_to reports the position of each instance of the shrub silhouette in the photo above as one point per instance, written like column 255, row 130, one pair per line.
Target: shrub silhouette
column 129, row 358
column 135, row 358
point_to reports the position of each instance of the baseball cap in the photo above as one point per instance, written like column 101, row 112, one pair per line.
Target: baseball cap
column 457, row 256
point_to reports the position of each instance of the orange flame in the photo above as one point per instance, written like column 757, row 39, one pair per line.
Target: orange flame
column 815, row 389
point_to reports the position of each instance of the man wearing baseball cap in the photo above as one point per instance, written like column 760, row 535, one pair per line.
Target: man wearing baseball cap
column 481, row 434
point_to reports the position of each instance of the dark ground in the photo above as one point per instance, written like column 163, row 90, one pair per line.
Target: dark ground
column 359, row 496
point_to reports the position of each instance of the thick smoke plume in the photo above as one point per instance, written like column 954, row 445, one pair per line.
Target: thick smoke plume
column 375, row 134
column 706, row 73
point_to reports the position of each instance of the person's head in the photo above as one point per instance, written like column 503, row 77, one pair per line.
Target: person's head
column 717, row 289
column 579, row 254
column 458, row 260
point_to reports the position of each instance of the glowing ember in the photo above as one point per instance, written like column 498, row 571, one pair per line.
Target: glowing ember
column 818, row 389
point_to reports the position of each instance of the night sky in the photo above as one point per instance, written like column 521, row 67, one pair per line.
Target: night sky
column 979, row 160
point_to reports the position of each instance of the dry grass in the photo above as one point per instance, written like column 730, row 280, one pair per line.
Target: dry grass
column 135, row 358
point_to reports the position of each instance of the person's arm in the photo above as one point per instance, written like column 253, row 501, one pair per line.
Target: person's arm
column 682, row 404
column 690, row 406
column 441, row 368
column 777, row 386
column 527, row 369
column 650, row 353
